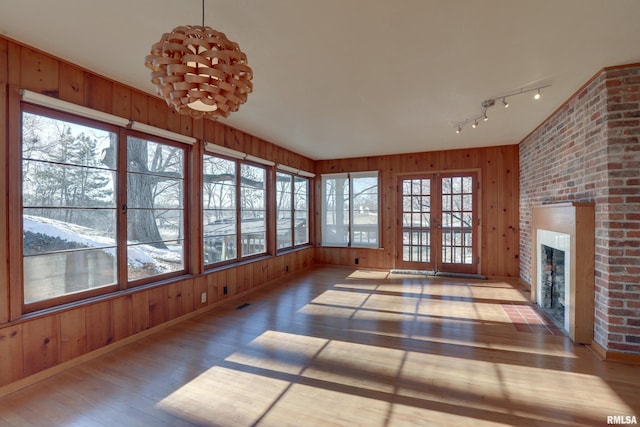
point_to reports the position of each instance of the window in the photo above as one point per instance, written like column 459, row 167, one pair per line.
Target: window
column 69, row 208
column 292, row 209
column 155, row 208
column 228, row 196
column 350, row 209
column 253, row 209
column 219, row 209
column 82, row 211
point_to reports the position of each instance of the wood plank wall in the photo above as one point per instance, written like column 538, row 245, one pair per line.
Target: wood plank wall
column 499, row 204
column 40, row 341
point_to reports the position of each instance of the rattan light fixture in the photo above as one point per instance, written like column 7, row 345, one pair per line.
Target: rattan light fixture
column 199, row 72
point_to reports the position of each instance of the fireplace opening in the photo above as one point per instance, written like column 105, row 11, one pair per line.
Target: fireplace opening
column 552, row 281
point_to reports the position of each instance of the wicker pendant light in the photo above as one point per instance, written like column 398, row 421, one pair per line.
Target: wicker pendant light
column 199, row 72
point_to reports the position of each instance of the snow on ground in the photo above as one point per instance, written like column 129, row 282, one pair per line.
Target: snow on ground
column 139, row 255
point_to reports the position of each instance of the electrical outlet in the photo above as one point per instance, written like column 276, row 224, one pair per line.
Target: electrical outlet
column 286, row 268
column 203, row 297
column 225, row 290
column 357, row 260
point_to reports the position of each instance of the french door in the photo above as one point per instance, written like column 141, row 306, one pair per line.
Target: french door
column 439, row 222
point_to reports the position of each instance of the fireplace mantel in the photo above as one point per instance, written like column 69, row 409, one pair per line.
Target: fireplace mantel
column 576, row 219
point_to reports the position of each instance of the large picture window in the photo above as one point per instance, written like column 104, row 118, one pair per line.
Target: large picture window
column 81, row 212
column 350, row 209
column 292, row 210
column 155, row 208
column 69, row 208
column 234, row 209
column 219, row 209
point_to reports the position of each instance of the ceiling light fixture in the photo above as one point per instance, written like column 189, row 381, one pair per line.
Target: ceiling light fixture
column 199, row 72
column 488, row 103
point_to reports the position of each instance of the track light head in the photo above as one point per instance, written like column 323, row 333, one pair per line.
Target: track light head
column 484, row 116
column 475, row 124
column 459, row 129
column 538, row 95
column 506, row 104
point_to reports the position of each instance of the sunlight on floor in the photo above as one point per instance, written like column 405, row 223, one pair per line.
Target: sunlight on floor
column 380, row 353
column 308, row 380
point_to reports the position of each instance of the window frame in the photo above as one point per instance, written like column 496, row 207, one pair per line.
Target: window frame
column 18, row 305
column 239, row 256
column 124, row 209
column 349, row 211
column 292, row 210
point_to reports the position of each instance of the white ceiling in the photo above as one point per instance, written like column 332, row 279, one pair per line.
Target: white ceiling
column 349, row 78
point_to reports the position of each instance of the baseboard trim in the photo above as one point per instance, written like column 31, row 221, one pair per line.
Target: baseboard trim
column 614, row 356
column 57, row 369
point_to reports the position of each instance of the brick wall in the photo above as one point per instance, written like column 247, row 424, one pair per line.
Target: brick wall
column 589, row 150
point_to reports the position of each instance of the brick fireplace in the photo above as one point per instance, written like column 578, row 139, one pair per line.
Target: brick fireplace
column 563, row 276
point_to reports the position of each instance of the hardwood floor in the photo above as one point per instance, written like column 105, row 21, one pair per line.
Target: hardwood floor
column 340, row 347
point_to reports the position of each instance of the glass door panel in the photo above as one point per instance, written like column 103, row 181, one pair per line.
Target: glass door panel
column 457, row 236
column 416, row 212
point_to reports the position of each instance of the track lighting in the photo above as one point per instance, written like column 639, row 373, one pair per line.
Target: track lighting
column 488, row 103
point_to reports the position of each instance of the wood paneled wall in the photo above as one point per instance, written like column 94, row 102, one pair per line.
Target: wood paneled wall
column 499, row 204
column 40, row 341
column 33, row 343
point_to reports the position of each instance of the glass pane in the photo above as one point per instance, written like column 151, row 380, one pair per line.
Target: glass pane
column 456, row 185
column 426, row 186
column 56, row 141
column 71, row 229
column 219, row 213
column 152, row 158
column 46, row 184
column 415, row 221
column 467, row 202
column 144, row 260
column 467, row 219
column 406, row 203
column 284, row 196
column 406, row 188
column 220, row 248
column 406, row 220
column 446, row 203
column 284, row 210
column 467, row 184
column 62, row 273
column 301, row 230
column 155, row 208
column 446, row 185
